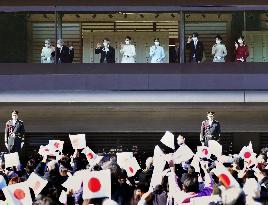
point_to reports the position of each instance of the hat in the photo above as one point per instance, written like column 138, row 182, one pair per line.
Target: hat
column 15, row 112
column 210, row 113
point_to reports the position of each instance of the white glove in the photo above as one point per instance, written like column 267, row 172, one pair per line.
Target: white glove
column 22, row 144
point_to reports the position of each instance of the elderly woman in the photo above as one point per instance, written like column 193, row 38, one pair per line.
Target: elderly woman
column 48, row 52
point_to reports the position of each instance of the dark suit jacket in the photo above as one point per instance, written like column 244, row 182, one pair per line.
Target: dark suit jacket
column 214, row 130
column 64, row 55
column 195, row 50
column 174, row 57
column 110, row 55
column 19, row 131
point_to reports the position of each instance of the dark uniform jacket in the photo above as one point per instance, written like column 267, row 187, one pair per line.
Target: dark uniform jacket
column 64, row 55
column 210, row 132
column 109, row 56
column 14, row 143
column 196, row 51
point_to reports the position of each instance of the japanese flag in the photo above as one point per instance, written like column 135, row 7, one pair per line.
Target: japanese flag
column 168, row 140
column 247, row 152
column 36, row 183
column 203, row 152
column 74, row 182
column 131, row 166
column 56, row 144
column 91, row 156
column 47, row 150
column 225, row 177
column 122, row 157
column 78, row 141
column 183, row 154
column 159, row 162
column 215, row 148
column 12, row 159
column 18, row 194
column 96, row 184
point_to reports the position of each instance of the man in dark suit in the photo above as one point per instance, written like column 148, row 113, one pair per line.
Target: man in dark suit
column 64, row 54
column 174, row 53
column 14, row 133
column 196, row 48
column 210, row 129
column 107, row 52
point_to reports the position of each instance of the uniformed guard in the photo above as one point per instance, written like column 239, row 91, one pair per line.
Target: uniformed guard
column 210, row 129
column 14, row 133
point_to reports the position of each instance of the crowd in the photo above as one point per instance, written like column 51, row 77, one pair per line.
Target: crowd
column 173, row 175
column 169, row 177
column 65, row 54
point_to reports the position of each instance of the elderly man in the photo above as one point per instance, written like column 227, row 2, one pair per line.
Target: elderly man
column 210, row 129
column 64, row 54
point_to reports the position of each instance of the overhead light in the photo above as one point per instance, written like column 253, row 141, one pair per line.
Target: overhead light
column 45, row 16
column 156, row 16
column 188, row 15
column 141, row 15
column 219, row 15
column 77, row 15
column 110, row 16
column 94, row 16
column 204, row 15
column 125, row 15
column 172, row 15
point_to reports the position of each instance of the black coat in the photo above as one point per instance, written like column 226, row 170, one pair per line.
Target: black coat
column 64, row 55
column 19, row 131
column 197, row 50
column 213, row 130
column 109, row 55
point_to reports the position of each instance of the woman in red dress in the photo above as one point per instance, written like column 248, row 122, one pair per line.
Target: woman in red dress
column 241, row 50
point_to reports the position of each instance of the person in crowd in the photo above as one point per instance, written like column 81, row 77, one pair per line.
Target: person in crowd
column 241, row 50
column 174, row 53
column 63, row 53
column 48, row 52
column 219, row 50
column 210, row 129
column 128, row 51
column 146, row 174
column 157, row 52
column 14, row 133
column 71, row 51
column 196, row 48
column 106, row 50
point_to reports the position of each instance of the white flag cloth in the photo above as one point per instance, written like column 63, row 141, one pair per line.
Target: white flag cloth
column 183, row 154
column 225, row 177
column 96, row 184
column 131, row 166
column 18, row 194
column 159, row 162
column 90, row 155
column 203, row 152
column 47, row 150
column 12, row 159
column 195, row 163
column 168, row 140
column 78, row 141
column 122, row 157
column 56, row 144
column 36, row 183
column 215, row 148
column 247, row 152
column 74, row 182
column 63, row 197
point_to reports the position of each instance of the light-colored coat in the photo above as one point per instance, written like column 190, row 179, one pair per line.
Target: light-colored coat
column 129, row 53
column 157, row 54
column 46, row 56
column 219, row 51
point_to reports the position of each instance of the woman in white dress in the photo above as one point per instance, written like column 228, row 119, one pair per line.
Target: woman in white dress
column 219, row 50
column 157, row 52
column 48, row 53
column 128, row 51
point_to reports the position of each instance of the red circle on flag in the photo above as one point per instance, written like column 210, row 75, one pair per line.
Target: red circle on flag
column 19, row 194
column 205, row 151
column 131, row 170
column 94, row 184
column 56, row 144
column 37, row 185
column 90, row 155
column 247, row 155
column 225, row 180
